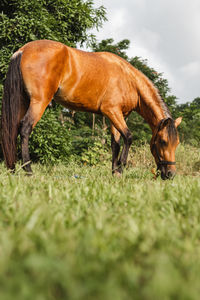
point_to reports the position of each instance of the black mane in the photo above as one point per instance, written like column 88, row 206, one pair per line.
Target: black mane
column 171, row 129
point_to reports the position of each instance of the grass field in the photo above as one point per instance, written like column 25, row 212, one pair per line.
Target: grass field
column 75, row 232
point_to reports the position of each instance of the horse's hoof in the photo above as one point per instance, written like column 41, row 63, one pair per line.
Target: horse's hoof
column 117, row 174
column 29, row 174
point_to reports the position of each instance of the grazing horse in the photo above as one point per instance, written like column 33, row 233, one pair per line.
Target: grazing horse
column 94, row 82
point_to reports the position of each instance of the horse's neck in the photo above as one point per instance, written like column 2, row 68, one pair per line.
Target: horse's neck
column 152, row 113
column 151, row 107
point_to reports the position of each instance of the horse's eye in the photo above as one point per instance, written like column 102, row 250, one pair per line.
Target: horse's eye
column 163, row 143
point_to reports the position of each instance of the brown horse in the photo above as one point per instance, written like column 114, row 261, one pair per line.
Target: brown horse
column 95, row 82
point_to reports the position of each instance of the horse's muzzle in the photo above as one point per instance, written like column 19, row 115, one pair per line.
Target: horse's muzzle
column 167, row 173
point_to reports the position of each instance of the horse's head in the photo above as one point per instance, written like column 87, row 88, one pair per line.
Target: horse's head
column 163, row 146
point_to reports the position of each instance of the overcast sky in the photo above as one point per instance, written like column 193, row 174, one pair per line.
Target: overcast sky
column 166, row 32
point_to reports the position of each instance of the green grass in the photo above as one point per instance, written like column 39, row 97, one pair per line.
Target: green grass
column 75, row 232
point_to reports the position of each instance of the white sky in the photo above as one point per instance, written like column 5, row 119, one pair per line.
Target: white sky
column 165, row 32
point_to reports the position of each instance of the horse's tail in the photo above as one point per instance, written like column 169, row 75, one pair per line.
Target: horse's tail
column 11, row 103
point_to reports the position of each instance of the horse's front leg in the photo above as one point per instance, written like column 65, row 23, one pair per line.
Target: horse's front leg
column 118, row 125
column 115, row 145
column 127, row 143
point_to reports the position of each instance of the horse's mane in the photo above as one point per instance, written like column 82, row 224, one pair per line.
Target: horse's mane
column 171, row 129
column 150, row 93
column 159, row 99
column 164, row 106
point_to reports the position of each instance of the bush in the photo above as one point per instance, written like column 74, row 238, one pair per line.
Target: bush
column 53, row 141
column 50, row 141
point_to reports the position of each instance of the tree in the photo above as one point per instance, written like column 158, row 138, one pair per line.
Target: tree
column 107, row 45
column 190, row 128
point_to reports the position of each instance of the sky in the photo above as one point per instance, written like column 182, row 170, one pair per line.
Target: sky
column 165, row 32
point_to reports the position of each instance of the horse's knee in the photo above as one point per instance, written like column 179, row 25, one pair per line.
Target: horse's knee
column 129, row 137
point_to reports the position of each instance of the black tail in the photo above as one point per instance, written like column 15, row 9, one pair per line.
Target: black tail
column 11, row 103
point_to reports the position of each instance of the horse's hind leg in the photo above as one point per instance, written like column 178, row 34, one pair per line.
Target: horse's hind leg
column 25, row 131
column 32, row 116
column 115, row 145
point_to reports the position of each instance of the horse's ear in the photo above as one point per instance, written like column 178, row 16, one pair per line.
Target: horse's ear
column 178, row 121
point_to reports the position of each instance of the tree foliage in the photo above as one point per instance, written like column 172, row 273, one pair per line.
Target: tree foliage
column 66, row 21
column 190, row 126
column 108, row 46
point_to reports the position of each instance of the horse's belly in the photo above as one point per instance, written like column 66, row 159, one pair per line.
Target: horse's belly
column 77, row 102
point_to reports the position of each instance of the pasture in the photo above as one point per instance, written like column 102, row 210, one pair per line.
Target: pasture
column 76, row 232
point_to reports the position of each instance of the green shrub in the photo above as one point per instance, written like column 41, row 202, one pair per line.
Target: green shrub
column 50, row 141
column 53, row 141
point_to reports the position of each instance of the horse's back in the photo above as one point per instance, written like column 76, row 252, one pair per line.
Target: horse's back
column 95, row 79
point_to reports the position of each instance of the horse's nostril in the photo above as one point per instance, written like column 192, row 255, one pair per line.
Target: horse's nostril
column 170, row 174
